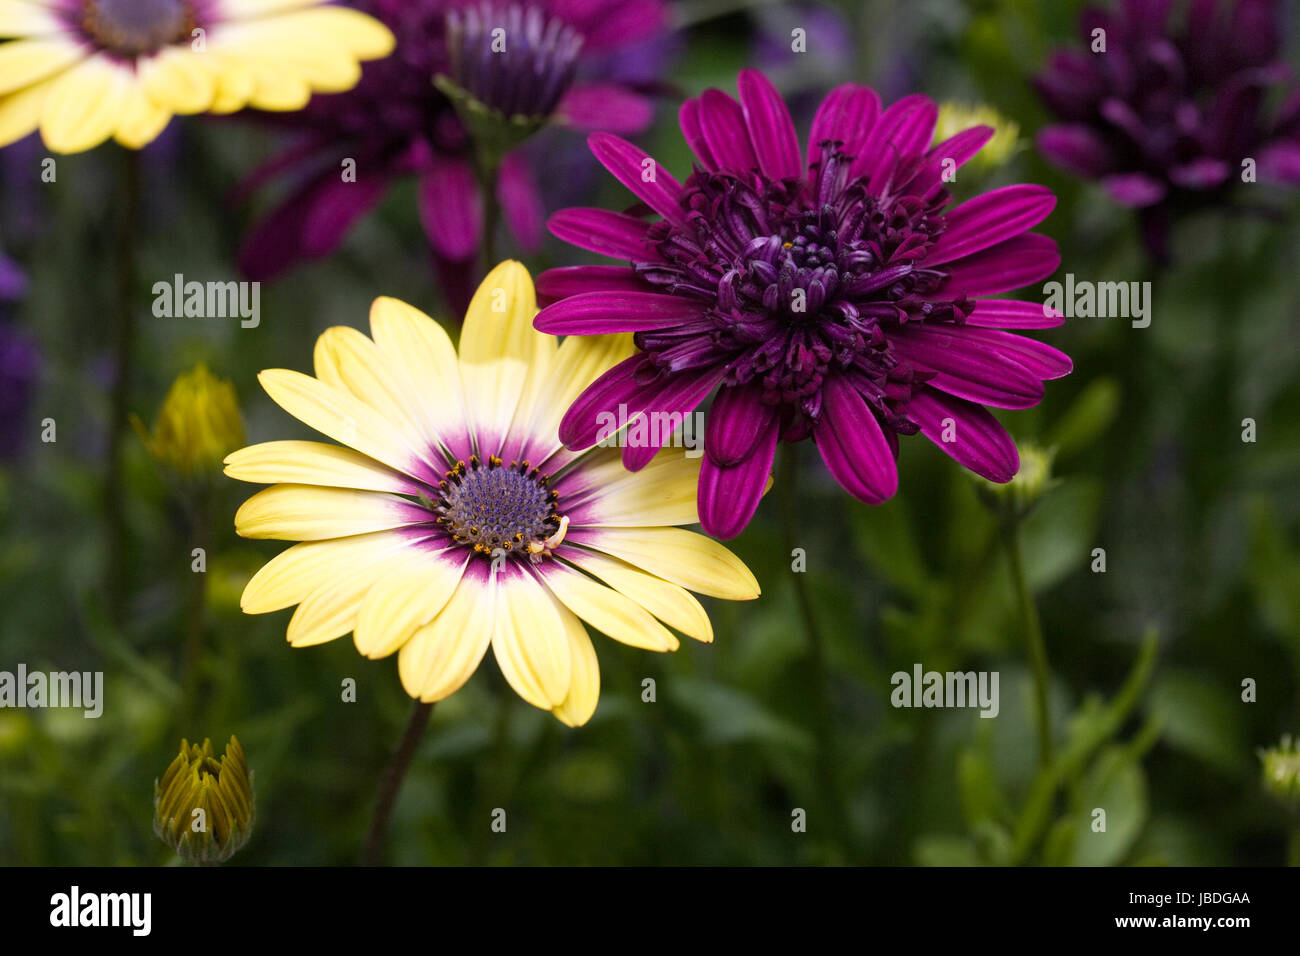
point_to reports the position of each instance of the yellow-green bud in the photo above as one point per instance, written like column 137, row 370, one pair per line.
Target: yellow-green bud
column 955, row 117
column 1031, row 482
column 198, row 425
column 204, row 805
column 1281, row 766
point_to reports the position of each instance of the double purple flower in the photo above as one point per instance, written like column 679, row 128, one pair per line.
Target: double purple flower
column 1168, row 114
column 828, row 293
column 560, row 55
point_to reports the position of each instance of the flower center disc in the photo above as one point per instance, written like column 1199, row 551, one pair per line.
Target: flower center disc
column 136, row 27
column 494, row 508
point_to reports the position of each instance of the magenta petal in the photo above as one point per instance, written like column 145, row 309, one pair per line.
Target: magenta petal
column 956, row 149
column 688, row 118
column 1009, row 265
column 966, row 367
column 521, row 201
column 1037, row 358
column 845, row 116
column 975, row 438
column 903, row 130
column 1010, row 314
column 629, row 166
column 1077, row 149
column 1134, row 189
column 1281, row 163
column 610, row 24
column 852, row 444
column 737, row 420
column 771, row 129
column 600, row 313
column 1203, row 173
column 611, row 234
column 989, row 219
column 728, row 496
column 449, row 208
column 634, row 384
column 723, row 123
column 556, row 284
column 605, row 106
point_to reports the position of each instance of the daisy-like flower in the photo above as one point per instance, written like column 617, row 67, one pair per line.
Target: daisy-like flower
column 1166, row 116
column 455, row 519
column 830, row 294
column 82, row 71
column 536, row 62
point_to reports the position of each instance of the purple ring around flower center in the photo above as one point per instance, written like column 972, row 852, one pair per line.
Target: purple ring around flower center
column 133, row 28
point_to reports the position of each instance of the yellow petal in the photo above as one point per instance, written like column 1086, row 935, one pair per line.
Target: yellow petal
column 578, row 362
column 23, row 62
column 248, row 9
column 345, row 358
column 20, row 113
column 178, row 79
column 235, row 83
column 362, row 36
column 314, row 463
column 673, row 605
column 442, row 655
column 293, row 574
column 307, row 513
column 142, row 120
column 498, row 346
column 280, row 91
column 529, row 640
column 421, row 356
column 407, row 599
column 21, row 18
column 330, row 611
column 584, row 688
column 85, row 105
column 664, row 492
column 340, row 415
column 680, row 556
column 608, row 611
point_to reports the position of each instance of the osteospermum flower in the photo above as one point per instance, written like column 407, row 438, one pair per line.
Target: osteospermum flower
column 557, row 61
column 86, row 70
column 455, row 519
column 830, row 295
column 1168, row 114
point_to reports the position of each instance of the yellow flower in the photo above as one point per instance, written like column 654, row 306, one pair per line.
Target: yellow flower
column 82, row 71
column 197, row 426
column 457, row 520
column 204, row 806
column 955, row 117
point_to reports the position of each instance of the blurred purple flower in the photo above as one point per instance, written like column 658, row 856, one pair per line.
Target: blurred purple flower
column 19, row 367
column 395, row 123
column 826, row 292
column 1168, row 114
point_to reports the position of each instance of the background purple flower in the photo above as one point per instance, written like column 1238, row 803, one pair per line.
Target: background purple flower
column 826, row 293
column 1165, row 117
column 395, row 123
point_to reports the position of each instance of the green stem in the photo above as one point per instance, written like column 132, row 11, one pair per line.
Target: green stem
column 494, row 781
column 115, row 555
column 392, row 781
column 489, row 173
column 201, row 534
column 825, row 743
column 1034, row 639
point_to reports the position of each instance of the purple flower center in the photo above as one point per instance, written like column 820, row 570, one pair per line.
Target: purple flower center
column 136, row 27
column 497, row 509
column 514, row 59
column 800, row 278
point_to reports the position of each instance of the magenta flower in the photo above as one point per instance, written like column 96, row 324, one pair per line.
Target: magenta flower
column 828, row 295
column 561, row 61
column 1168, row 114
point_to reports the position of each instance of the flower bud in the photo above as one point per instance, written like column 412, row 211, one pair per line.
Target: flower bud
column 955, row 117
column 198, row 425
column 1281, row 768
column 1034, row 479
column 204, row 805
